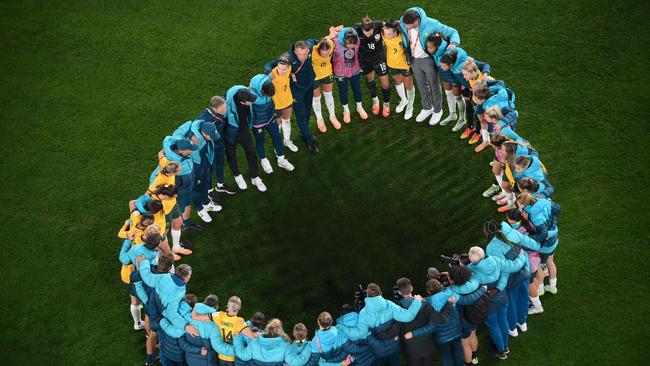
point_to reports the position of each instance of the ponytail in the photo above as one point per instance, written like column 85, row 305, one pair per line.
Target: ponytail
column 449, row 58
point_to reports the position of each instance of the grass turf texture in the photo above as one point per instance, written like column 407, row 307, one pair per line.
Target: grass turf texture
column 90, row 89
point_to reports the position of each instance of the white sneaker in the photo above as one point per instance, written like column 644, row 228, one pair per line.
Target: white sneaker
column 540, row 290
column 551, row 289
column 523, row 327
column 290, row 145
column 266, row 166
column 204, row 215
column 513, row 333
column 409, row 113
column 424, row 114
column 400, row 107
column 491, row 191
column 285, row 164
column 213, row 207
column 435, row 118
column 257, row 182
column 138, row 326
column 241, row 183
column 451, row 117
column 535, row 310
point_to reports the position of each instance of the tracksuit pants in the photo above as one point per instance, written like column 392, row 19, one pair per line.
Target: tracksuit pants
column 274, row 132
column 302, row 102
column 497, row 324
column 355, row 83
column 241, row 136
column 202, row 183
column 184, row 188
column 451, row 353
column 426, row 77
column 219, row 163
column 518, row 305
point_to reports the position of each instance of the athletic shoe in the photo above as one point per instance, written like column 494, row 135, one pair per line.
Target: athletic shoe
column 513, row 333
column 507, row 350
column 540, row 291
column 257, row 182
column 193, row 228
column 213, row 207
column 321, row 125
column 474, row 139
column 523, row 327
column 335, row 122
column 375, row 109
column 362, row 113
column 457, row 127
column 551, row 289
column 481, row 147
column 385, row 111
column 466, row 133
column 224, row 188
column 401, row 105
column 424, row 114
column 502, row 356
column 494, row 189
column 451, row 117
column 435, row 118
column 186, row 243
column 285, row 164
column 409, row 113
column 138, row 325
column 204, row 215
column 506, row 208
column 266, row 165
column 290, row 145
column 346, row 117
column 535, row 310
column 474, row 358
column 241, row 183
column 181, row 250
column 313, row 147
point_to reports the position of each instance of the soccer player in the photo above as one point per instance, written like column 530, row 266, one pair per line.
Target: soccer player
column 283, row 99
column 416, row 27
column 230, row 324
column 347, row 69
column 399, row 69
column 493, row 93
column 373, row 62
column 322, row 63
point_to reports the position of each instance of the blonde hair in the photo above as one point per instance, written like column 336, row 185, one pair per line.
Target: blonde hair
column 525, row 199
column 325, row 319
column 494, row 112
column 216, row 102
column 234, row 304
column 476, row 254
column 470, row 66
column 151, row 230
column 274, row 329
column 300, row 333
column 171, row 168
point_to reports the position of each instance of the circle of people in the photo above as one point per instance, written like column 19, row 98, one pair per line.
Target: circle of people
column 496, row 287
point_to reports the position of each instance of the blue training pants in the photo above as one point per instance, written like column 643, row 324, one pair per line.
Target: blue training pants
column 497, row 324
column 451, row 353
column 274, row 131
column 342, row 84
column 518, row 305
column 302, row 101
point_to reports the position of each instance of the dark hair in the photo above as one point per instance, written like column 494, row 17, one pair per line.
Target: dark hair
column 367, row 23
column 324, row 45
column 449, row 58
column 258, row 320
column 460, row 274
column 433, row 286
column 165, row 262
column 523, row 160
column 301, row 45
column 528, row 184
column 268, row 89
column 403, row 284
column 154, row 206
column 151, row 242
column 410, row 16
column 481, row 91
column 435, row 38
column 325, row 320
column 146, row 216
column 351, row 37
column 492, row 228
column 393, row 24
column 284, row 59
column 498, row 139
column 244, row 95
column 211, row 300
column 347, row 308
column 169, row 190
column 373, row 290
column 191, row 299
column 514, row 214
column 183, row 270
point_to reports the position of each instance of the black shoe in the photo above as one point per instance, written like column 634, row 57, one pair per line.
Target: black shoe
column 193, row 228
column 502, row 355
column 186, row 244
column 225, row 189
column 313, row 147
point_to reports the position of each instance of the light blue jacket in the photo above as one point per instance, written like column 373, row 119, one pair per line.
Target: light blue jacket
column 486, row 271
column 209, row 338
column 427, row 27
column 379, row 311
column 534, row 171
column 269, row 351
column 461, row 58
column 262, row 109
column 233, row 116
column 169, row 147
column 170, row 289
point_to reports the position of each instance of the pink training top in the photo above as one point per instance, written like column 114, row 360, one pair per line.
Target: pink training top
column 345, row 61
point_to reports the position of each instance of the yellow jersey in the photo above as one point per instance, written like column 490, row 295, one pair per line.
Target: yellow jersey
column 322, row 65
column 282, row 98
column 395, row 53
column 132, row 227
column 229, row 326
column 162, row 180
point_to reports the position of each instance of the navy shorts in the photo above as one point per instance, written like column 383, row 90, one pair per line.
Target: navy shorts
column 184, row 185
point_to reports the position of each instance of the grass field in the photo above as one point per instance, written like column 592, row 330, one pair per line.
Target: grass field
column 89, row 89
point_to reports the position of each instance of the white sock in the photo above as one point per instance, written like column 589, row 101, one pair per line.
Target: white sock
column 499, row 179
column 375, row 100
column 401, row 92
column 329, row 102
column 451, row 102
column 410, row 94
column 536, row 302
column 386, row 104
column 286, row 129
column 511, row 198
column 176, row 238
column 346, row 108
column 486, row 136
column 460, row 102
column 552, row 282
column 219, row 184
column 317, row 108
column 135, row 313
column 359, row 105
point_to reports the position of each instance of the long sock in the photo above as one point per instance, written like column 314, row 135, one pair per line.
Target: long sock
column 499, row 179
column 552, row 282
column 135, row 313
column 511, row 198
column 286, row 129
column 346, row 108
column 486, row 136
column 317, row 108
column 460, row 102
column 329, row 102
column 411, row 96
column 372, row 88
column 451, row 102
column 375, row 100
column 536, row 302
column 176, row 238
column 386, row 94
column 359, row 105
column 401, row 92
